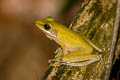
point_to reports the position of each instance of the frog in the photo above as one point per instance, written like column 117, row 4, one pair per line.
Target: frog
column 77, row 50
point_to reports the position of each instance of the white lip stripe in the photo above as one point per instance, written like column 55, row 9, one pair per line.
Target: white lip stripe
column 47, row 32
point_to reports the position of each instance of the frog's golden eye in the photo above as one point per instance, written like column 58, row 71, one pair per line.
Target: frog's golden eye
column 47, row 26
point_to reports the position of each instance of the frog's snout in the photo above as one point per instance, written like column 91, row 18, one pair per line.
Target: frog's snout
column 37, row 22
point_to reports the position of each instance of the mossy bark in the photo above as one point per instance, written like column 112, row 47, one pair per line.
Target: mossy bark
column 94, row 20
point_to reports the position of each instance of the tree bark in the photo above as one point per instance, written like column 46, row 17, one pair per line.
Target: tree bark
column 94, row 20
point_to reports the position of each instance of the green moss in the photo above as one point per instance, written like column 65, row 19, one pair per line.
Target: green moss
column 49, row 70
column 61, row 70
column 83, row 7
column 96, row 7
column 80, row 11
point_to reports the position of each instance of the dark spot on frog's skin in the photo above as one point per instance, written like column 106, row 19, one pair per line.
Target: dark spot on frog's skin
column 47, row 26
column 69, row 51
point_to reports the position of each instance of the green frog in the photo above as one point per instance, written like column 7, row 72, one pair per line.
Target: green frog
column 77, row 50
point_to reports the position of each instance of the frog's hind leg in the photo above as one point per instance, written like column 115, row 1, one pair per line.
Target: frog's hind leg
column 79, row 58
column 82, row 63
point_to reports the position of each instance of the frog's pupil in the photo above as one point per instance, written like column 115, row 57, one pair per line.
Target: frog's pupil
column 47, row 27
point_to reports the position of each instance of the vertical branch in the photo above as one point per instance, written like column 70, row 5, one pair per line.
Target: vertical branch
column 95, row 21
column 114, row 41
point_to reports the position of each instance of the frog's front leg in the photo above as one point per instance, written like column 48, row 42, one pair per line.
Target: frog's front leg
column 63, row 46
column 78, row 58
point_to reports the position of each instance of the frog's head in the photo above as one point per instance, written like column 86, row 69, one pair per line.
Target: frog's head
column 47, row 26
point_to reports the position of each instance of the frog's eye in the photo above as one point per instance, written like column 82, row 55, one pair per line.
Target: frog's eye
column 47, row 26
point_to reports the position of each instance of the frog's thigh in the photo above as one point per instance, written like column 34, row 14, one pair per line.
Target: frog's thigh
column 79, row 56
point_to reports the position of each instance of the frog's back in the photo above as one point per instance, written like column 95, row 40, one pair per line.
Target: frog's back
column 70, row 37
column 75, row 39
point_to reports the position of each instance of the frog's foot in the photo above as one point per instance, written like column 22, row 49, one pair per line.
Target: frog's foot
column 73, row 63
column 80, row 63
column 77, row 63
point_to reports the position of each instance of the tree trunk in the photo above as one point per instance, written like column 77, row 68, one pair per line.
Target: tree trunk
column 94, row 20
